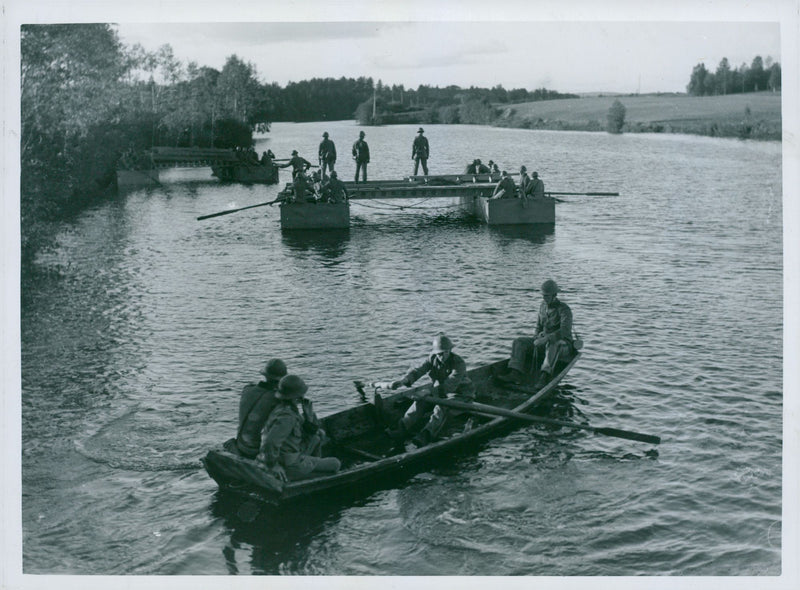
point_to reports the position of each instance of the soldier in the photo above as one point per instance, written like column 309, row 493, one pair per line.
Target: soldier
column 284, row 448
column 536, row 186
column 334, row 189
column 420, row 151
column 524, row 181
column 506, row 188
column 551, row 342
column 298, row 163
column 448, row 372
column 255, row 404
column 361, row 156
column 327, row 154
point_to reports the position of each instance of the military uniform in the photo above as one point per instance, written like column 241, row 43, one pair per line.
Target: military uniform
column 420, row 152
column 554, row 323
column 536, row 187
column 255, row 405
column 334, row 190
column 283, row 443
column 327, row 155
column 448, row 376
column 361, row 156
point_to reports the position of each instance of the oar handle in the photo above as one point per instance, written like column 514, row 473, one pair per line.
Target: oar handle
column 584, row 194
column 235, row 210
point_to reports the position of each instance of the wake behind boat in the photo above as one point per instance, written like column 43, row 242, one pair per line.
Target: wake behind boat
column 369, row 456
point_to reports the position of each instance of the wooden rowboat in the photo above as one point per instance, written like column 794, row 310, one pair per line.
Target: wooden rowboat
column 369, row 457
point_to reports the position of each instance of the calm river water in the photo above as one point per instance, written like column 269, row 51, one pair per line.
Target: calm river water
column 140, row 329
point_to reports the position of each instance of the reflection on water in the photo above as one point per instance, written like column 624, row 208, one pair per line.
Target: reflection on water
column 268, row 536
column 330, row 243
column 536, row 234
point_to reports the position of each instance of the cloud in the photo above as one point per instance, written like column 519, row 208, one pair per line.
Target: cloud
column 445, row 55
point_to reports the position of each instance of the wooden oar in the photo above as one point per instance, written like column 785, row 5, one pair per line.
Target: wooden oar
column 239, row 209
column 585, row 194
column 475, row 407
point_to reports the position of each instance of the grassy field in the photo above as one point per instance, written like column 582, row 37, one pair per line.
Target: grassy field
column 753, row 115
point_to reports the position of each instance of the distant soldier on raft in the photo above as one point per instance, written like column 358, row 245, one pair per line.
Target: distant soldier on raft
column 327, row 154
column 420, row 152
column 505, row 189
column 535, row 187
column 361, row 156
column 333, row 190
column 298, row 163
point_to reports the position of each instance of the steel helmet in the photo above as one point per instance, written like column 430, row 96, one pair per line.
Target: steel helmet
column 420, row 130
column 325, row 134
column 361, row 134
column 291, row 387
column 523, row 169
column 442, row 343
column 294, row 152
column 334, row 174
column 549, row 287
column 274, row 368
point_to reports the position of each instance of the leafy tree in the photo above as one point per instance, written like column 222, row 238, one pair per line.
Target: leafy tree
column 697, row 80
column 616, row 117
column 71, row 85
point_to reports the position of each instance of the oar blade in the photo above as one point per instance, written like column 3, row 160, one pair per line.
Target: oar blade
column 627, row 434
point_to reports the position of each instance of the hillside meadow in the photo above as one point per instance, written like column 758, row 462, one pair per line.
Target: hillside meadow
column 753, row 115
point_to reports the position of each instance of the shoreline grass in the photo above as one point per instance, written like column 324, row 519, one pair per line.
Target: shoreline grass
column 746, row 116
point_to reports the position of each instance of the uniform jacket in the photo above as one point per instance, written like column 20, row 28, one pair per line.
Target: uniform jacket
column 555, row 321
column 421, row 148
column 283, row 435
column 327, row 150
column 255, row 405
column 536, row 187
column 507, row 184
column 450, row 374
column 335, row 190
column 361, row 151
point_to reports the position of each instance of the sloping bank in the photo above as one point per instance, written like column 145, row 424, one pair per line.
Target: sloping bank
column 746, row 116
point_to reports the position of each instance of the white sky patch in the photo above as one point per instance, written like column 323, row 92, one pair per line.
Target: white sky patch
column 624, row 56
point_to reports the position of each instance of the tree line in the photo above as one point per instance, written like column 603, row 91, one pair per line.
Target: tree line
column 760, row 75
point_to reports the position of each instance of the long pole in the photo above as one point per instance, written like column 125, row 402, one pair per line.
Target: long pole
column 476, row 407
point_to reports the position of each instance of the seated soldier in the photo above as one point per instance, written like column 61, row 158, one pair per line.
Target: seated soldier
column 551, row 343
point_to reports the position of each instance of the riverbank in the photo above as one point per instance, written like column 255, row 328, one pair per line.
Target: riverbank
column 748, row 116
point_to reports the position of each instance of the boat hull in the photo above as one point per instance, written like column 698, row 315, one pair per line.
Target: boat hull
column 315, row 215
column 246, row 173
column 359, row 428
column 529, row 211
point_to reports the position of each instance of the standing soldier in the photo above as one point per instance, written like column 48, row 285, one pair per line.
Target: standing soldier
column 361, row 156
column 327, row 154
column 420, row 151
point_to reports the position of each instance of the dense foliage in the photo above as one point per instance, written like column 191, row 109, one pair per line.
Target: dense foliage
column 758, row 76
column 616, row 117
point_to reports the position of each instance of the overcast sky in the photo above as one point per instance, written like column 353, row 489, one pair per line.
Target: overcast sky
column 563, row 56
